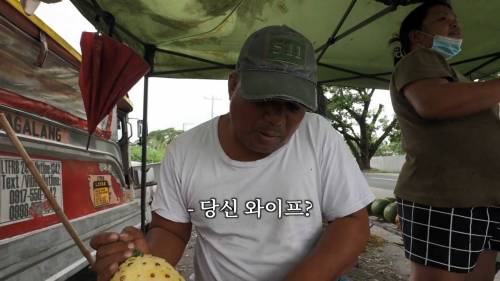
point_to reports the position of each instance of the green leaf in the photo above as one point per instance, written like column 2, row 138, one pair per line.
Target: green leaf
column 364, row 125
column 137, row 253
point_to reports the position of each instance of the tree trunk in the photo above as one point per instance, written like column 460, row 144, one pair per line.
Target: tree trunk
column 321, row 110
column 364, row 162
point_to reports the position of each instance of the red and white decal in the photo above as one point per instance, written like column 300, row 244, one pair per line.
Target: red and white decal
column 20, row 196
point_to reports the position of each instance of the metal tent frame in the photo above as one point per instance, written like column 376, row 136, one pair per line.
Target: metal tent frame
column 108, row 21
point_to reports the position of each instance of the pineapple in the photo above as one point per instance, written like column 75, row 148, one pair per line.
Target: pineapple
column 146, row 268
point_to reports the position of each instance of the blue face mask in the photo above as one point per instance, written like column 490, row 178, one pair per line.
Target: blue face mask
column 446, row 46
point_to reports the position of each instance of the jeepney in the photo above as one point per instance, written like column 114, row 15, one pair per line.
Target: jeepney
column 40, row 96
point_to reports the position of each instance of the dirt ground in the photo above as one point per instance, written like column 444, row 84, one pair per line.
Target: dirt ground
column 185, row 265
column 383, row 259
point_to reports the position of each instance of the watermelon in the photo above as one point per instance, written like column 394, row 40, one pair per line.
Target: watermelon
column 390, row 212
column 378, row 206
column 390, row 199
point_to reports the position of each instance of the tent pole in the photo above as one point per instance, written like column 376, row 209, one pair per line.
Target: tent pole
column 372, row 76
column 360, row 25
column 469, row 73
column 343, row 79
column 354, row 77
column 149, row 56
column 367, row 21
column 331, row 40
column 476, row 59
column 195, row 58
column 144, row 143
column 178, row 71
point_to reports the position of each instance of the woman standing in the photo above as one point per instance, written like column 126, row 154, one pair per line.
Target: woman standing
column 449, row 187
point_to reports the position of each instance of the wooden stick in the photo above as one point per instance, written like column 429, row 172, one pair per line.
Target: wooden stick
column 39, row 179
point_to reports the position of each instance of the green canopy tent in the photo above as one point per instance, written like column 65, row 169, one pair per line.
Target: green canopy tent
column 202, row 38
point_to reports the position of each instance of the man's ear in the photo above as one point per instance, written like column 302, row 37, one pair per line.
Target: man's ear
column 232, row 83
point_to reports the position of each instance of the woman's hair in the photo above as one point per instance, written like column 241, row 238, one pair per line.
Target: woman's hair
column 413, row 21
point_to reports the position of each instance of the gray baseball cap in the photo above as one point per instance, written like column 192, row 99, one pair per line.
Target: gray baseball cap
column 277, row 62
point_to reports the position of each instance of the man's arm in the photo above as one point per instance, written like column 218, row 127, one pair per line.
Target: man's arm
column 439, row 98
column 336, row 251
column 168, row 239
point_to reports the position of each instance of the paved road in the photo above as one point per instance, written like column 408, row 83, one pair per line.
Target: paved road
column 382, row 180
column 382, row 184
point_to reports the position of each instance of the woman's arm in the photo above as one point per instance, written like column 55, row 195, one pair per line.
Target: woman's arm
column 440, row 99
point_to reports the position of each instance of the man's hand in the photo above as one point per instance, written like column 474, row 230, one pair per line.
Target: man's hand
column 114, row 248
column 336, row 251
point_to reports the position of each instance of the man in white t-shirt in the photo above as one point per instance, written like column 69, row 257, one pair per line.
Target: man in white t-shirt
column 258, row 182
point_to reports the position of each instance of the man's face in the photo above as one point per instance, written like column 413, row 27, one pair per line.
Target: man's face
column 263, row 126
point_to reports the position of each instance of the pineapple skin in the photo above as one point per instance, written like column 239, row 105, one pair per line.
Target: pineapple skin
column 146, row 268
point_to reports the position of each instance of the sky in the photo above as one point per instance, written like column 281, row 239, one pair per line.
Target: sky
column 177, row 103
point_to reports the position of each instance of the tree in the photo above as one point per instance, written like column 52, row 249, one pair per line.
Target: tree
column 161, row 138
column 392, row 145
column 153, row 155
column 364, row 129
column 157, row 144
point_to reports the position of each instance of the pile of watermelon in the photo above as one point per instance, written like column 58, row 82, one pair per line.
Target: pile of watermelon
column 385, row 209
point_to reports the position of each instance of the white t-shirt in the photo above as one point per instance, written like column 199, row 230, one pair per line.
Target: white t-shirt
column 313, row 176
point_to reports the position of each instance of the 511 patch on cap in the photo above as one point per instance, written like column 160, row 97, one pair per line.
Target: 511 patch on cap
column 287, row 50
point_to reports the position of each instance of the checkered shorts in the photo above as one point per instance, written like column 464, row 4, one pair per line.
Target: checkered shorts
column 448, row 238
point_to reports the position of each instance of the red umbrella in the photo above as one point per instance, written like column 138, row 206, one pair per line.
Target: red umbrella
column 108, row 70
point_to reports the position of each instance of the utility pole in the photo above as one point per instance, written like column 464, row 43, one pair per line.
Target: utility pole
column 212, row 99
